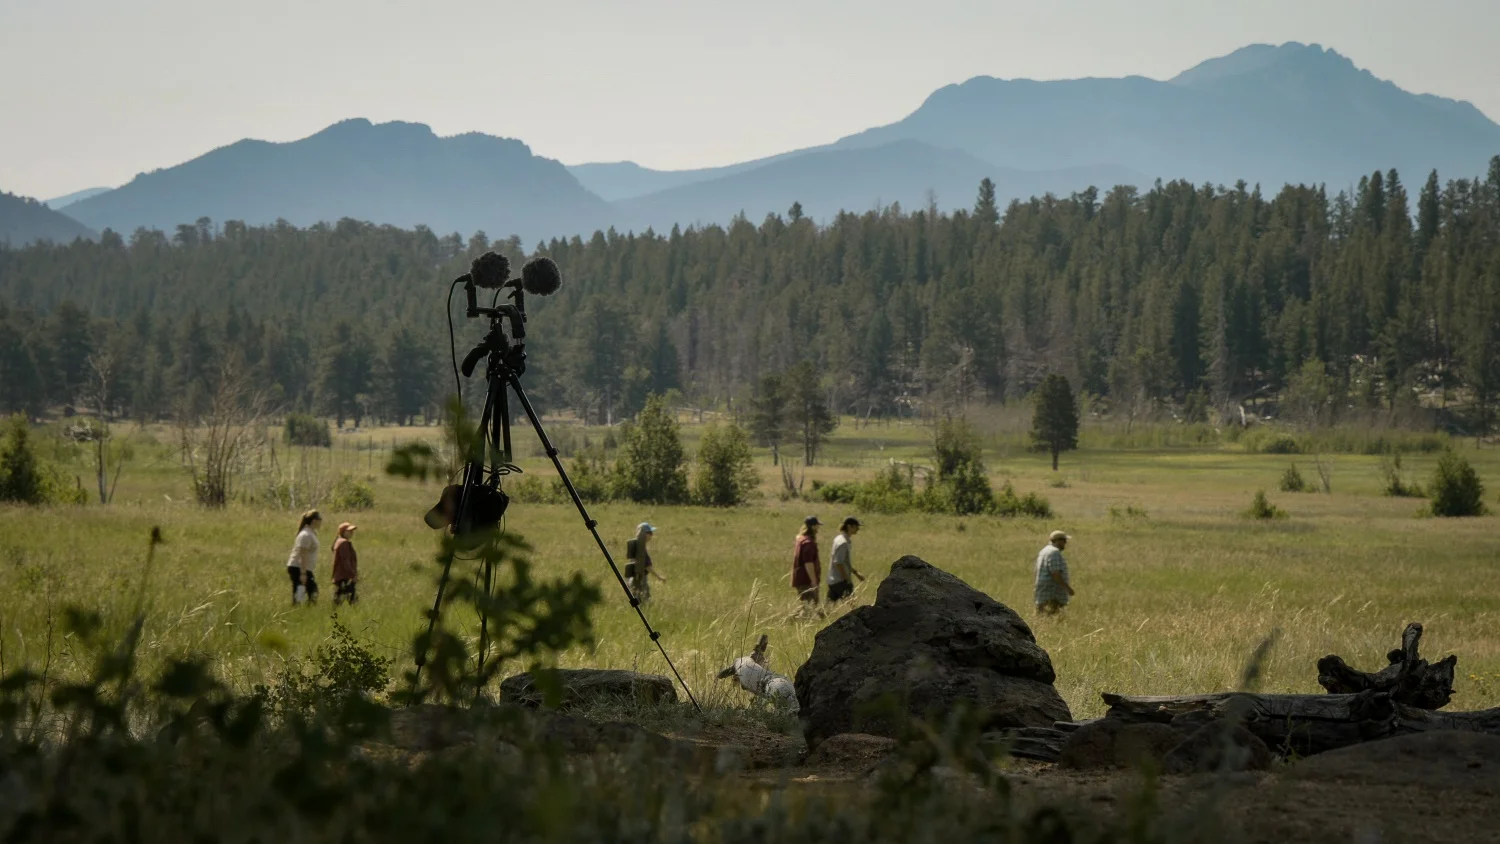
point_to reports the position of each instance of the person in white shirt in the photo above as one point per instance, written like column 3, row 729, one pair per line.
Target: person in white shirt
column 304, row 557
column 841, row 562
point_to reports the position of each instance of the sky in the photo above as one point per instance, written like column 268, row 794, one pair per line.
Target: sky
column 93, row 92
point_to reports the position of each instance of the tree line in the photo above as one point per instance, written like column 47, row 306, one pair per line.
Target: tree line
column 1181, row 296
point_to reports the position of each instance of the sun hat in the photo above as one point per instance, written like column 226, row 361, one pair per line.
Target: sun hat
column 645, row 527
column 348, row 526
column 1056, row 535
column 811, row 520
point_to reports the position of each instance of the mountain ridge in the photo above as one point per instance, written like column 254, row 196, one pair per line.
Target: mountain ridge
column 25, row 221
column 1265, row 114
column 395, row 173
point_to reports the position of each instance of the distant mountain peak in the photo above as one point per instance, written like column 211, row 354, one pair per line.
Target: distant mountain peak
column 1257, row 58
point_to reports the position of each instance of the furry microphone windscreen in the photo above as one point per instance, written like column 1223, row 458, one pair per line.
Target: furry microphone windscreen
column 490, row 271
column 541, row 277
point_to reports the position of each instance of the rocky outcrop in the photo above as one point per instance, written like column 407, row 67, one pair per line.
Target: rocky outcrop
column 929, row 642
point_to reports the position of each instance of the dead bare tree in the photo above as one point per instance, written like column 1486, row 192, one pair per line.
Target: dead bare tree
column 1325, row 472
column 101, row 377
column 217, row 444
column 791, row 479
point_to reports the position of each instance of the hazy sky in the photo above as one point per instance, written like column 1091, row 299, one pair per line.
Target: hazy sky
column 93, row 92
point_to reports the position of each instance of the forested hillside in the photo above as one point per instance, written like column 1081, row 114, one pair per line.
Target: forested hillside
column 1183, row 295
column 24, row 221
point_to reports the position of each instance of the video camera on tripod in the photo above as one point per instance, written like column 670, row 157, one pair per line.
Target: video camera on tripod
column 472, row 508
column 477, row 503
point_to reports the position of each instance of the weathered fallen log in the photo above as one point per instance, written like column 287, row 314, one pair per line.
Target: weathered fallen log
column 1409, row 679
column 1304, row 724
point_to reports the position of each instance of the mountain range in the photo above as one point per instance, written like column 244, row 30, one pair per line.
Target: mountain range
column 1263, row 114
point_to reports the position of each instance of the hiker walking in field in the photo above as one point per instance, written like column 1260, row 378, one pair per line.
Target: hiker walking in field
column 345, row 566
column 1053, row 586
column 841, row 569
column 299, row 566
column 639, row 569
column 807, row 570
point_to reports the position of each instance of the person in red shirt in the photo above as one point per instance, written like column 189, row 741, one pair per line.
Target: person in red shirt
column 807, row 571
column 345, row 566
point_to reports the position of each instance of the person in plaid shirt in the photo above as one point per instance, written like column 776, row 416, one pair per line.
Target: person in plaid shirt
column 1053, row 587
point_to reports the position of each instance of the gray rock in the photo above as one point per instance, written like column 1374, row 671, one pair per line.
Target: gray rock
column 581, row 687
column 928, row 642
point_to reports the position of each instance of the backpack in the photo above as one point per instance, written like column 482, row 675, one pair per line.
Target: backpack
column 632, row 548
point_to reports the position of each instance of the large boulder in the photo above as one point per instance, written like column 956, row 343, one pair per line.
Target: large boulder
column 929, row 641
column 587, row 686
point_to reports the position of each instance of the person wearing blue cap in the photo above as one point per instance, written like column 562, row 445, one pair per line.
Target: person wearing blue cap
column 638, row 567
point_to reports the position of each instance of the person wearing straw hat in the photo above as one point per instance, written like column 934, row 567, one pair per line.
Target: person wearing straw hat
column 345, row 566
column 638, row 567
column 1053, row 586
column 807, row 569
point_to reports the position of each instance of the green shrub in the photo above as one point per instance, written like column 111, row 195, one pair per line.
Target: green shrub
column 22, row 478
column 1395, row 485
column 1280, row 444
column 894, row 490
column 1260, row 508
column 351, row 494
column 650, row 467
column 726, row 474
column 307, row 430
column 592, row 477
column 342, row 667
column 960, row 481
column 25, row 477
column 1291, row 480
column 530, row 489
column 841, row 492
column 1008, row 503
column 1456, row 488
column 1127, row 513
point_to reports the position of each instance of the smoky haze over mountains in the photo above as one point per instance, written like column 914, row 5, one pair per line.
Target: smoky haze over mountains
column 1268, row 115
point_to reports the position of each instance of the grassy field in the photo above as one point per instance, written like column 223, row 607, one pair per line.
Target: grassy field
column 1172, row 602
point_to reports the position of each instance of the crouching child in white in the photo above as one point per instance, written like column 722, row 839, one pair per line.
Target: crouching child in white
column 756, row 678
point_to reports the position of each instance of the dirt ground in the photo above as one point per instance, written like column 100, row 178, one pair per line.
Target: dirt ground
column 1433, row 787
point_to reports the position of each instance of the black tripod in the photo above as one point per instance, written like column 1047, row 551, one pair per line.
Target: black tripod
column 505, row 362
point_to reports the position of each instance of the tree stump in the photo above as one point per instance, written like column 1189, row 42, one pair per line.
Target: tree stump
column 1409, row 679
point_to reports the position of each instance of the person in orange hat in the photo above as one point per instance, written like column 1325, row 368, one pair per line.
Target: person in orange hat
column 345, row 566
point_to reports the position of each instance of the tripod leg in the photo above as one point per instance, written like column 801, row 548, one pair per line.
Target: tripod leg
column 484, row 626
column 593, row 527
column 473, row 472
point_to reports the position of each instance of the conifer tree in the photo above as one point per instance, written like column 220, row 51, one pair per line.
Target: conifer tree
column 1054, row 421
column 807, row 412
